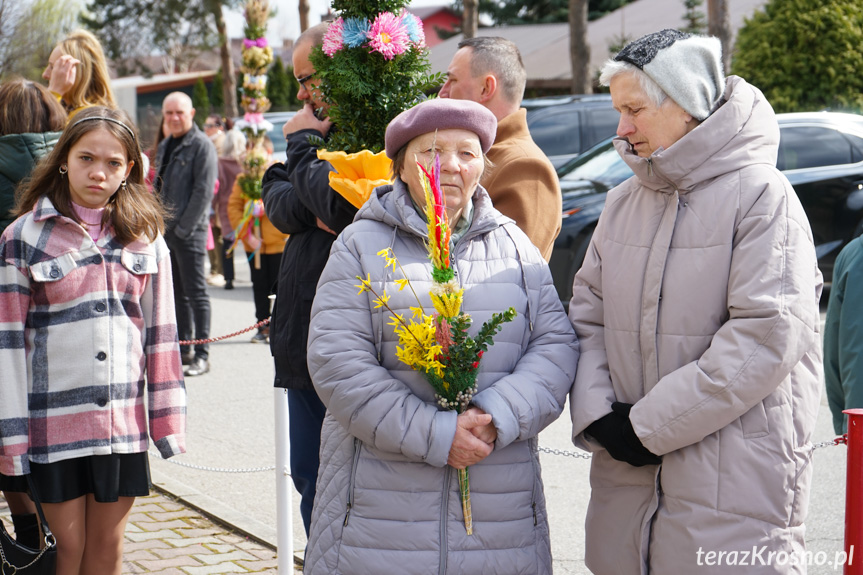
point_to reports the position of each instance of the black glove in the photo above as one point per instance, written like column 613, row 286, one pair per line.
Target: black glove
column 615, row 433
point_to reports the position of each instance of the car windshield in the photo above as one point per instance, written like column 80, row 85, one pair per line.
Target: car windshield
column 600, row 164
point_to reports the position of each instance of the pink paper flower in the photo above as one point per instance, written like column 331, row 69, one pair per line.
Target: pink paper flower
column 388, row 36
column 333, row 38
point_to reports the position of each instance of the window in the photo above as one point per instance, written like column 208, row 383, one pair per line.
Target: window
column 600, row 165
column 601, row 124
column 557, row 132
column 815, row 146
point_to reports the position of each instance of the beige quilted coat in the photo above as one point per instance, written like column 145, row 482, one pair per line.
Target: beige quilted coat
column 698, row 303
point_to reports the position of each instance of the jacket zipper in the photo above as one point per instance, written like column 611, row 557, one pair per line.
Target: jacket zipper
column 356, row 459
column 447, row 479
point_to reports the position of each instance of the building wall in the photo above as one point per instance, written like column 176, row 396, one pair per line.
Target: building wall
column 444, row 20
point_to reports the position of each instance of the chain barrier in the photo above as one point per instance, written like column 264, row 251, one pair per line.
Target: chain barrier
column 841, row 440
column 215, row 469
column 566, row 453
column 260, row 324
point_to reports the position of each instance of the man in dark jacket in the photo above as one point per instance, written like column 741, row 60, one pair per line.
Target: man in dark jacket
column 299, row 201
column 187, row 170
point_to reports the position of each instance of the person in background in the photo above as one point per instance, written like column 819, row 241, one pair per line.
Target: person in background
column 843, row 335
column 522, row 182
column 215, row 126
column 187, row 169
column 264, row 253
column 699, row 380
column 299, row 201
column 151, row 152
column 73, row 414
column 230, row 166
column 31, row 120
column 77, row 73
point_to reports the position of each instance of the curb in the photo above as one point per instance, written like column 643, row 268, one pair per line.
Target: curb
column 219, row 513
column 215, row 510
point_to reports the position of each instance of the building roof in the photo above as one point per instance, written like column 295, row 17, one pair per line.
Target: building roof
column 545, row 47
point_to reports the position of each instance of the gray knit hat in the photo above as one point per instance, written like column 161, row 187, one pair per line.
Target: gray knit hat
column 687, row 68
column 441, row 114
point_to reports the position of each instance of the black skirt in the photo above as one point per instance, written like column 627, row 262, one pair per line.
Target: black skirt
column 107, row 477
column 16, row 483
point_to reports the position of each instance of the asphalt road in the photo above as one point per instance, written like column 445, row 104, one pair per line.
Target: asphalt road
column 231, row 426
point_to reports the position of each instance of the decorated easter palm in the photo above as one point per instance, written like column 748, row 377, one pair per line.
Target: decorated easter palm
column 372, row 66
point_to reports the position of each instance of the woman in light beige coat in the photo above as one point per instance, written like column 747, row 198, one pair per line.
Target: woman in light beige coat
column 697, row 312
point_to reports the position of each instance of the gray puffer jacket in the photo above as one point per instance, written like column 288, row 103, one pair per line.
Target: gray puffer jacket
column 386, row 500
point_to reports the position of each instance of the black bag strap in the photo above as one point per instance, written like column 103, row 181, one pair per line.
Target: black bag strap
column 46, row 531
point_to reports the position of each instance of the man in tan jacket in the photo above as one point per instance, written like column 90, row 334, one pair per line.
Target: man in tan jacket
column 522, row 184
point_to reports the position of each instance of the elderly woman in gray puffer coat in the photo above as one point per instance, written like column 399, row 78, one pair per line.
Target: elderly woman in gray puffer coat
column 388, row 494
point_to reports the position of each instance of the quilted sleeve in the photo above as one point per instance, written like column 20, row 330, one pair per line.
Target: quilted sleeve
column 14, row 302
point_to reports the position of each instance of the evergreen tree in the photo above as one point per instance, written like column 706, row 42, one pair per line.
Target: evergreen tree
column 277, row 85
column 293, row 88
column 201, row 102
column 696, row 23
column 217, row 96
column 804, row 54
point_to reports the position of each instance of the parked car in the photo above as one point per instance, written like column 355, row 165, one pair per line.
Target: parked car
column 277, row 119
column 821, row 154
column 564, row 127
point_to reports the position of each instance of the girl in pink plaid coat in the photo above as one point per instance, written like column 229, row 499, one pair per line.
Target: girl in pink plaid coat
column 86, row 326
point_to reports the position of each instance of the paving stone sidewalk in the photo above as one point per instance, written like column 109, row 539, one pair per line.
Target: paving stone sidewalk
column 164, row 536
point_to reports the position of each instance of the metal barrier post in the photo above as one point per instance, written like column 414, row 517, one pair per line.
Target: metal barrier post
column 284, row 487
column 854, row 492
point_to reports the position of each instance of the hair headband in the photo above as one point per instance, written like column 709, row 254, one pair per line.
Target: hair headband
column 118, row 122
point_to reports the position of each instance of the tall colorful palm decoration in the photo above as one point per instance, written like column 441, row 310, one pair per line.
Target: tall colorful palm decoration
column 257, row 57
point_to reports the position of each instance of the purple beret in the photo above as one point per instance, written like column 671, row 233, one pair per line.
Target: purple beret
column 441, row 114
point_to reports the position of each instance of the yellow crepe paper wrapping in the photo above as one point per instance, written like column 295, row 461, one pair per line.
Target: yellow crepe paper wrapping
column 357, row 174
